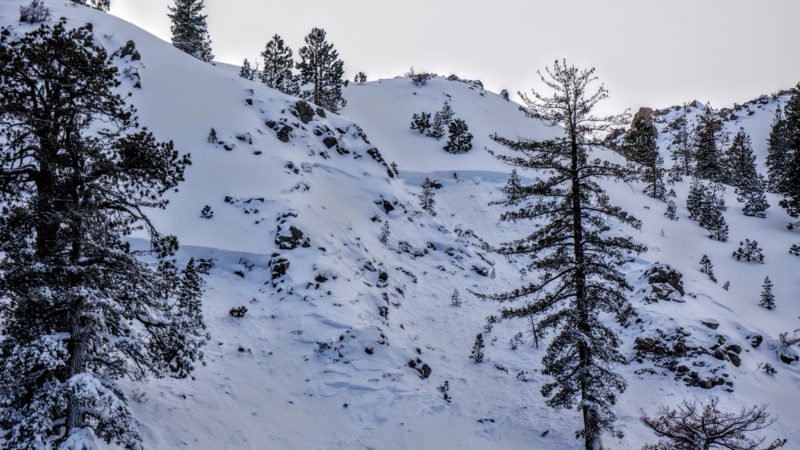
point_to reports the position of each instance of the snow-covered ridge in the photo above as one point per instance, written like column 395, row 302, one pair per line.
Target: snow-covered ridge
column 336, row 318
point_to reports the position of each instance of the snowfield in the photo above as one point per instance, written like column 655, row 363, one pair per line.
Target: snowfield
column 347, row 339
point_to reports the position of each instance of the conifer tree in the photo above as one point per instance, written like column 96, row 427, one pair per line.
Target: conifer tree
column 360, row 78
column 708, row 158
column 385, row 233
column 321, row 72
column 705, row 204
column 190, row 30
column 790, row 184
column 426, row 197
column 81, row 307
column 441, row 121
column 681, row 149
column 777, row 152
column 186, row 334
column 278, row 65
column 455, row 299
column 513, row 188
column 477, row 349
column 34, row 12
column 641, row 147
column 421, row 122
column 459, row 139
column 247, row 71
column 575, row 259
column 767, row 297
column 102, row 5
column 672, row 210
column 740, row 168
column 707, row 268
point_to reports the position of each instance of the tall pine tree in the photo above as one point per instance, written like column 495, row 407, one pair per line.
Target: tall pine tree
column 790, row 185
column 707, row 137
column 640, row 144
column 278, row 65
column 190, row 30
column 321, row 72
column 576, row 259
column 777, row 152
column 740, row 172
column 681, row 149
column 81, row 308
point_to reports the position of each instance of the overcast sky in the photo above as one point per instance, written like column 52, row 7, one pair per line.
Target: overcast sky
column 648, row 53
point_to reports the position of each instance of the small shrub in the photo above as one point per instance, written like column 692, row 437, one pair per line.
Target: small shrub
column 34, row 13
column 238, row 311
column 206, row 212
column 749, row 251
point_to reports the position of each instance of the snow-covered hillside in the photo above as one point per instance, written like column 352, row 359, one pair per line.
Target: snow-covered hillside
column 348, row 337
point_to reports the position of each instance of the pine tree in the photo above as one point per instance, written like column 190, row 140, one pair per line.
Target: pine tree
column 697, row 192
column 321, row 72
column 577, row 261
column 672, row 210
column 385, row 233
column 705, row 204
column 426, row 197
column 421, row 122
column 278, row 66
column 441, row 121
column 513, row 188
column 477, row 349
column 102, row 5
column 777, row 152
column 455, row 299
column 459, row 139
column 641, row 147
column 190, row 30
column 360, row 78
column 247, row 71
column 790, row 185
column 767, row 298
column 749, row 251
column 707, row 268
column 708, row 158
column 81, row 307
column 186, row 334
column 681, row 150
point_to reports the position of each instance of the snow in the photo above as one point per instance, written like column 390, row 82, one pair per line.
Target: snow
column 266, row 384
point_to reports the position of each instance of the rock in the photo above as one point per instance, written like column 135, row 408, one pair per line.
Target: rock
column 735, row 359
column 734, row 348
column 755, row 340
column 129, row 49
column 330, row 141
column 710, row 323
column 304, row 111
column 425, row 371
column 293, row 240
column 666, row 283
column 284, row 134
column 644, row 113
column 321, row 113
column 387, row 206
column 279, row 267
column 719, row 354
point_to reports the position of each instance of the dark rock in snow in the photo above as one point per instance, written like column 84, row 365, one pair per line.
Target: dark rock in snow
column 710, row 323
column 304, row 111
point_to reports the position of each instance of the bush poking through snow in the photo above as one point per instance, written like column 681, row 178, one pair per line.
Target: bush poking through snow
column 445, row 390
column 691, row 426
column 238, row 312
column 421, row 122
column 786, row 353
column 767, row 297
column 455, row 300
column 749, row 251
column 34, row 13
column 206, row 212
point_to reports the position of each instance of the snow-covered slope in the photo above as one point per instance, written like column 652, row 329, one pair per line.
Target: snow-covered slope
column 335, row 316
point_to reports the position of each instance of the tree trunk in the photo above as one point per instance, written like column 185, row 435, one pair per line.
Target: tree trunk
column 76, row 366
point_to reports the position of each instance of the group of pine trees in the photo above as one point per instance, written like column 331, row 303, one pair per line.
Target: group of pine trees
column 81, row 307
column 443, row 122
column 783, row 156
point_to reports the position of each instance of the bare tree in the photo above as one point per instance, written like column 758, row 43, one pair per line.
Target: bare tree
column 704, row 427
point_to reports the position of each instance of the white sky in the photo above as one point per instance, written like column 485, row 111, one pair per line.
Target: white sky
column 648, row 53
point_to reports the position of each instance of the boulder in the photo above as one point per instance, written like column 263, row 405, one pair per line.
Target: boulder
column 666, row 283
column 644, row 113
column 304, row 111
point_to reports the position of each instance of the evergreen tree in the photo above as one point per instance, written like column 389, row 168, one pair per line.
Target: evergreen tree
column 740, row 168
column 190, row 30
column 421, row 122
column 102, row 5
column 790, row 185
column 577, row 261
column 672, row 210
column 777, row 152
column 767, row 298
column 385, row 233
column 247, row 71
column 708, row 158
column 441, row 121
column 321, row 72
column 513, row 188
column 360, row 78
column 426, row 200
column 707, row 268
column 641, row 147
column 35, row 12
column 749, row 251
column 455, row 299
column 81, row 307
column 705, row 204
column 459, row 139
column 477, row 349
column 186, row 334
column 681, row 150
column 697, row 193
column 278, row 66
